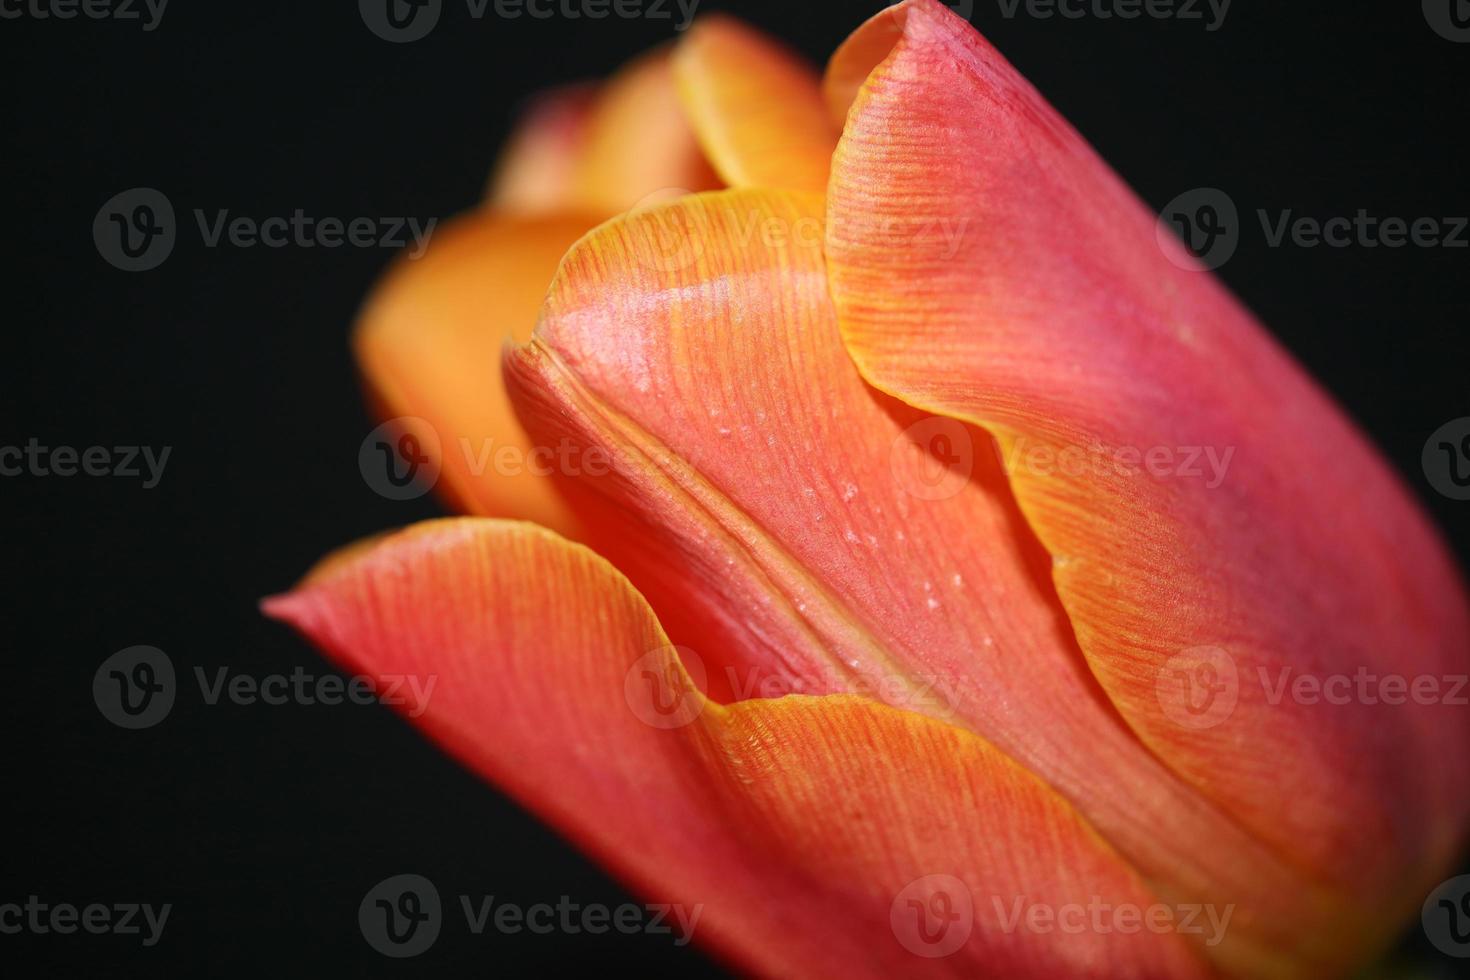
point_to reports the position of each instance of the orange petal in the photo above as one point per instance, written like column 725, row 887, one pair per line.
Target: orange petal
column 756, row 107
column 781, row 512
column 429, row 341
column 536, row 169
column 637, row 142
column 853, row 61
column 809, row 835
column 1218, row 529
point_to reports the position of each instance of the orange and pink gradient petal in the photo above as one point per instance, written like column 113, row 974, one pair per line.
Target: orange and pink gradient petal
column 802, row 836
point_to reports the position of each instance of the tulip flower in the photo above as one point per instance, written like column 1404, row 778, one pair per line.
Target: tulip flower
column 938, row 571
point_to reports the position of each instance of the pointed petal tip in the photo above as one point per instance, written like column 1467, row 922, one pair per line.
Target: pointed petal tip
column 1054, row 319
column 755, row 105
column 556, row 685
column 279, row 607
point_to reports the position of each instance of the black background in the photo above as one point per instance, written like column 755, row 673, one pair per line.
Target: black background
column 264, row 826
